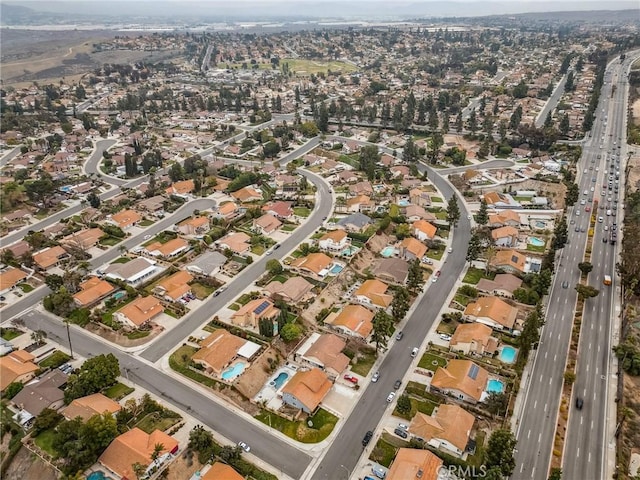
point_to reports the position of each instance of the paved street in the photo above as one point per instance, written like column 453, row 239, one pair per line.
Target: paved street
column 552, row 102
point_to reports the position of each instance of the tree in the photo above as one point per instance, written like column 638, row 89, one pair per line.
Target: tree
column 520, row 90
column 555, row 474
column 157, row 450
column 382, row 328
column 176, row 172
column 585, row 267
column 453, row 211
column 586, row 291
column 290, row 332
column 138, row 469
column 400, row 304
column 496, row 403
column 473, row 122
column 93, row 199
column 41, row 190
column 482, row 217
column 569, row 377
column 271, row 149
column 564, row 124
column 404, row 404
column 53, row 281
column 94, row 375
column 415, row 277
column 274, row 267
column 368, row 160
column 437, row 140
column 200, row 439
column 499, row 451
column 474, row 249
column 38, row 336
column 46, row 419
column 410, row 151
column 561, row 234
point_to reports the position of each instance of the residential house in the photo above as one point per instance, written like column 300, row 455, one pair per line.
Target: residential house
column 324, row 351
column 218, row 351
column 306, row 390
column 17, row 366
column 353, row 320
column 194, row 226
column 361, row 188
column 46, row 391
column 413, row 213
column 504, row 284
column 154, row 205
column 207, row 264
column 294, row 290
column 510, row 261
column 228, row 211
column 9, row 278
column 472, row 176
column 125, row 219
column 92, row 291
column 134, row 272
column 473, row 339
column 19, row 248
column 335, row 240
column 499, row 200
column 247, row 195
column 361, row 203
column 221, row 471
column 250, row 314
column 170, row 249
column 356, row 222
column 266, row 224
column 419, row 197
column 182, row 189
column 394, row 270
column 504, row 218
column 84, row 239
column 49, row 257
column 424, row 230
column 87, row 407
column 315, row 263
column 174, row 287
column 492, row 311
column 139, row 312
column 237, row 242
column 505, row 236
column 413, row 463
column 448, row 428
column 136, row 446
column 373, row 293
column 412, row 249
column 279, row 209
column 462, row 379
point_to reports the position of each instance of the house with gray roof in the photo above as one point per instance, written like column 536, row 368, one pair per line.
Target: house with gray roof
column 209, row 264
column 356, row 222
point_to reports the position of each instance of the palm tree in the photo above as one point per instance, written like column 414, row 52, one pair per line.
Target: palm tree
column 157, row 450
column 38, row 336
column 138, row 470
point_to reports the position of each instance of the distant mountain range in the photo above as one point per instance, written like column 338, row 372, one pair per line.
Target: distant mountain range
column 34, row 12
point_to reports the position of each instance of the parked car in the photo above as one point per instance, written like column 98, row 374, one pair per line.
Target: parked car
column 399, row 335
column 391, row 396
column 445, row 337
column 367, row 438
column 401, row 433
column 403, row 426
column 397, row 384
column 414, row 352
column 244, row 446
column 375, row 377
column 350, row 378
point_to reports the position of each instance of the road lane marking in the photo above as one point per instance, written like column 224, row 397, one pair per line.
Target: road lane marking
column 555, row 357
column 528, row 434
column 545, row 354
column 578, row 452
column 545, row 406
column 591, row 424
column 581, row 419
column 550, row 378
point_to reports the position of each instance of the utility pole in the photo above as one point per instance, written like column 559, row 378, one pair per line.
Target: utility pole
column 69, row 338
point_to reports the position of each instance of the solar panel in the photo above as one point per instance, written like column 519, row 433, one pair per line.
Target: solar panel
column 514, row 259
column 473, row 371
column 261, row 308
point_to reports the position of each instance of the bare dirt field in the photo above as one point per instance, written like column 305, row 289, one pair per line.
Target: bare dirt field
column 633, row 177
column 254, row 378
column 120, row 339
column 28, row 465
column 554, row 191
column 184, row 466
column 635, row 108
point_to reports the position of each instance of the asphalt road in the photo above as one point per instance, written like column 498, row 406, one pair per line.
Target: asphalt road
column 346, row 448
column 552, row 102
column 215, row 415
column 10, row 155
column 535, row 432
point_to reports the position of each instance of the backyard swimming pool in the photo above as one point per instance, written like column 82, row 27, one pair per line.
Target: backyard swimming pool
column 404, row 203
column 536, row 242
column 99, row 475
column 388, row 251
column 233, row 371
column 350, row 250
column 280, row 379
column 507, row 354
column 495, row 385
column 336, row 269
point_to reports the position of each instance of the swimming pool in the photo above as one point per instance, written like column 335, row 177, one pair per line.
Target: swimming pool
column 99, row 475
column 536, row 242
column 495, row 385
column 279, row 380
column 350, row 250
column 388, row 251
column 507, row 354
column 404, row 203
column 336, row 269
column 540, row 224
column 233, row 371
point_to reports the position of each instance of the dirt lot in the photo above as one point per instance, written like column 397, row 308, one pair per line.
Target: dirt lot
column 121, row 339
column 554, row 191
column 636, row 112
column 28, row 465
column 459, row 140
column 184, row 466
column 254, row 378
column 633, row 180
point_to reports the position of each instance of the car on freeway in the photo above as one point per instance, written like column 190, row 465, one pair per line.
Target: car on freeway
column 399, row 335
column 577, row 229
column 565, row 284
column 367, row 438
column 244, row 446
column 397, row 384
column 577, row 213
column 587, row 208
column 375, row 377
column 450, row 249
column 350, row 378
column 606, row 228
column 391, row 396
column 579, row 403
column 583, row 202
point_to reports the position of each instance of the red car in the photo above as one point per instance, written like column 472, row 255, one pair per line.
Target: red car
column 587, row 208
column 350, row 378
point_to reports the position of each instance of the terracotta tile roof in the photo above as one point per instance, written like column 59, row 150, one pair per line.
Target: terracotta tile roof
column 355, row 318
column 176, row 285
column 280, row 209
column 227, row 208
column 247, row 194
column 181, row 188
column 258, row 308
column 314, row 262
column 194, row 222
column 126, row 218
column 502, row 281
column 92, row 291
column 294, row 289
column 471, row 332
column 10, row 277
column 134, row 446
column 416, row 247
column 450, row 422
column 504, row 216
column 237, row 241
column 141, row 310
column 335, row 235
column 506, row 231
column 167, row 249
column 425, row 227
column 87, row 407
column 493, row 308
column 509, row 258
column 359, row 200
column 410, row 461
column 221, row 471
column 15, row 365
column 375, row 290
column 218, row 350
column 328, row 350
column 267, row 222
column 308, row 387
column 84, row 238
column 462, row 375
column 49, row 256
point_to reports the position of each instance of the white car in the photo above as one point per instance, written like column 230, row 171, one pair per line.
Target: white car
column 583, row 202
column 375, row 377
column 390, row 397
column 445, row 337
column 450, row 249
column 244, row 447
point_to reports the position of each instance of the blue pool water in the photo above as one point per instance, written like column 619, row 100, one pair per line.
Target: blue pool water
column 536, row 242
column 495, row 386
column 233, row 371
column 336, row 269
column 67, row 189
column 540, row 224
column 280, row 379
column 349, row 251
column 404, row 203
column 99, row 475
column 507, row 354
column 388, row 251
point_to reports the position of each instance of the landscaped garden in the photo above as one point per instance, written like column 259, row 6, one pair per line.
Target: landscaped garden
column 322, row 424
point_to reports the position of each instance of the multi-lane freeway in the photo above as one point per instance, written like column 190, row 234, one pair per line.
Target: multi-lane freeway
column 586, row 440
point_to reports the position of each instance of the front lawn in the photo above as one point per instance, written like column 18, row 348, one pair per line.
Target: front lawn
column 121, row 260
column 364, row 362
column 44, row 441
column 54, row 360
column 536, row 248
column 118, row 391
column 10, row 333
column 385, row 450
column 436, row 199
column 157, row 421
column 474, row 275
column 322, row 423
column 180, row 361
column 257, row 249
column 429, row 361
column 26, row 288
column 110, row 241
column 201, row 291
column 146, row 223
column 301, row 211
column 136, row 334
column 288, row 227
